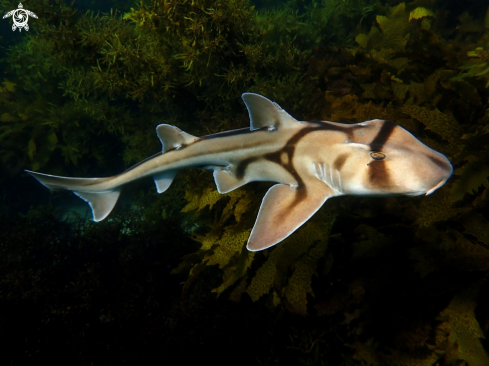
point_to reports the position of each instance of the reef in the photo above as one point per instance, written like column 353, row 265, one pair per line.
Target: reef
column 367, row 281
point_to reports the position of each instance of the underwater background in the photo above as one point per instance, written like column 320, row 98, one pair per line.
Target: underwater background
column 366, row 281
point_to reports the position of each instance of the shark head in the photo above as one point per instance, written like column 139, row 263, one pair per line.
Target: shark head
column 382, row 158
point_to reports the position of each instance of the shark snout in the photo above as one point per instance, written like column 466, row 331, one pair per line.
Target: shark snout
column 442, row 169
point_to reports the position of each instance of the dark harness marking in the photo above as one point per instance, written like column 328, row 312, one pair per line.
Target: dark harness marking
column 288, row 151
column 378, row 173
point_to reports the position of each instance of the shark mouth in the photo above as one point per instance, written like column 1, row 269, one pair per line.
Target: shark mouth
column 435, row 187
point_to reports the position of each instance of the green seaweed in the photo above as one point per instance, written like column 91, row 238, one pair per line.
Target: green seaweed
column 382, row 79
column 375, row 280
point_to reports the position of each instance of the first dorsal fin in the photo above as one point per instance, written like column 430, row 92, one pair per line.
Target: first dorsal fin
column 172, row 137
column 265, row 113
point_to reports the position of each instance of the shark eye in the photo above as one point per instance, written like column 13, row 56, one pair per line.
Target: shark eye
column 377, row 155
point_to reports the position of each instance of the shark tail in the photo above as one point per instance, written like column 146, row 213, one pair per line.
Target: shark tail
column 101, row 202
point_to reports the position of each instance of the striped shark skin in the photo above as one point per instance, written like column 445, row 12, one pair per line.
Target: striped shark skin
column 310, row 162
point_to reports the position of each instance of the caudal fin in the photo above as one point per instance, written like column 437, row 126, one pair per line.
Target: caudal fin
column 102, row 199
column 101, row 202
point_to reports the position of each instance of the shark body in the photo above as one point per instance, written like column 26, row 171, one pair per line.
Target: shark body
column 309, row 161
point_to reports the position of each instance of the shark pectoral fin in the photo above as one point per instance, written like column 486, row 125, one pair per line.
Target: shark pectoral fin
column 172, row 137
column 227, row 181
column 265, row 113
column 164, row 180
column 101, row 203
column 284, row 210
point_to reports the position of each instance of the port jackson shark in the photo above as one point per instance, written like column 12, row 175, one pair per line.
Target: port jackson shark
column 310, row 162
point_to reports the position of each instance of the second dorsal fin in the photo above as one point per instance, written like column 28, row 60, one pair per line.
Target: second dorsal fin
column 172, row 137
column 265, row 113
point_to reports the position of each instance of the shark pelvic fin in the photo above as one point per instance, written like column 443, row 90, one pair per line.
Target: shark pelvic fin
column 283, row 210
column 164, row 180
column 172, row 137
column 101, row 203
column 265, row 113
column 227, row 181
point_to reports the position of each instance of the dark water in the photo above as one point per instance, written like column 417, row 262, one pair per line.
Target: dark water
column 367, row 281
